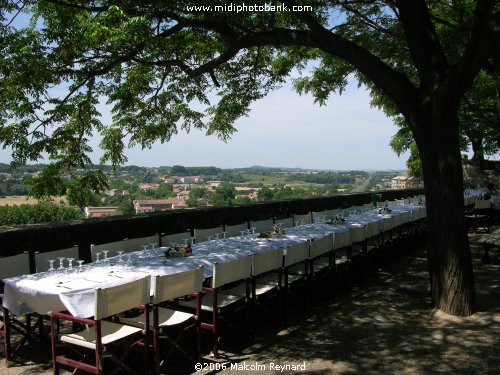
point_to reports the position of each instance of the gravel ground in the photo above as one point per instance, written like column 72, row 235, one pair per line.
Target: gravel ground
column 385, row 325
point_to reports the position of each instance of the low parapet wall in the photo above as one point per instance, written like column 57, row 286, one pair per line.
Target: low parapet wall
column 52, row 236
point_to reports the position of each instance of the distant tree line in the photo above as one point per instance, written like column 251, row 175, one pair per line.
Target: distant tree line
column 36, row 213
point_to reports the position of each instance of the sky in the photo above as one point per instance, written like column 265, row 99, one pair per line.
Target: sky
column 285, row 129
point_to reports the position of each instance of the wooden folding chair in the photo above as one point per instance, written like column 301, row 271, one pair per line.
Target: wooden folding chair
column 100, row 335
column 162, row 320
column 215, row 302
column 262, row 264
column 13, row 266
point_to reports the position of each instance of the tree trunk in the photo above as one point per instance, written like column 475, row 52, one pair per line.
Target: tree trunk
column 477, row 149
column 448, row 252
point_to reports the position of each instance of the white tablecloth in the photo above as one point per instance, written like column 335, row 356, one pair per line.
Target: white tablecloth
column 44, row 292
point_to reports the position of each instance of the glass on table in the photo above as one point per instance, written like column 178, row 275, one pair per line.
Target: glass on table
column 209, row 238
column 51, row 266
column 120, row 256
column 98, row 257
column 70, row 264
column 61, row 263
column 80, row 265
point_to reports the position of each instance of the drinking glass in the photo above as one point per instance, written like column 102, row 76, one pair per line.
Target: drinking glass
column 70, row 264
column 51, row 266
column 120, row 257
column 98, row 257
column 61, row 263
column 80, row 265
column 209, row 238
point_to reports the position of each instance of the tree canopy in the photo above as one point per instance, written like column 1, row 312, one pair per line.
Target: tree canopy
column 164, row 66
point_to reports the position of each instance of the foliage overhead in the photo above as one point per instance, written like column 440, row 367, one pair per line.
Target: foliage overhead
column 164, row 67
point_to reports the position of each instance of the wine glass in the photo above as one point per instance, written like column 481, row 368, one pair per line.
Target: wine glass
column 98, row 257
column 120, row 257
column 70, row 264
column 209, row 238
column 80, row 265
column 51, row 269
column 61, row 263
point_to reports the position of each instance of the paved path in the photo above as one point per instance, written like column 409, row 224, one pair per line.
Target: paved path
column 386, row 325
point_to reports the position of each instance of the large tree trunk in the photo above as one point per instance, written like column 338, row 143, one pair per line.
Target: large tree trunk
column 448, row 252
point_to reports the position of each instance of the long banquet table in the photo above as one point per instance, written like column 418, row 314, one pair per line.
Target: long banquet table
column 74, row 292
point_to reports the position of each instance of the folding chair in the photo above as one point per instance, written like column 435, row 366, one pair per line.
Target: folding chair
column 262, row 264
column 481, row 214
column 166, row 240
column 293, row 255
column 303, row 219
column 287, row 222
column 321, row 263
column 201, row 235
column 168, row 288
column 13, row 266
column 127, row 245
column 41, row 259
column 235, row 230
column 100, row 335
column 215, row 302
column 262, row 225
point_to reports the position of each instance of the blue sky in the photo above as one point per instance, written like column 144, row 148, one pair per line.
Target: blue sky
column 284, row 130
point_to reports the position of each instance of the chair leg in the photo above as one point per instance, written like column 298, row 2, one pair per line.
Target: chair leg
column 7, row 347
column 215, row 322
column 53, row 338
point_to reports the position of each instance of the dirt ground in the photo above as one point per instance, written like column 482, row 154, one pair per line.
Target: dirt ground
column 384, row 325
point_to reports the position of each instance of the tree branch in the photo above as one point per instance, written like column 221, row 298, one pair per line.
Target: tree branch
column 425, row 47
column 393, row 83
column 483, row 43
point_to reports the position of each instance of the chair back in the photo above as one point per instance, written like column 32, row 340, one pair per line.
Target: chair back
column 119, row 298
column 267, row 261
column 128, row 245
column 318, row 214
column 169, row 287
column 134, row 244
column 176, row 237
column 42, row 259
column 225, row 273
column 296, row 253
column 373, row 227
column 305, row 218
column 287, row 222
column 15, row 265
column 321, row 246
column 482, row 204
column 235, row 230
column 262, row 225
column 202, row 234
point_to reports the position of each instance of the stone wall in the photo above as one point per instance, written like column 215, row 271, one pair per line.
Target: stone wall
column 481, row 173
